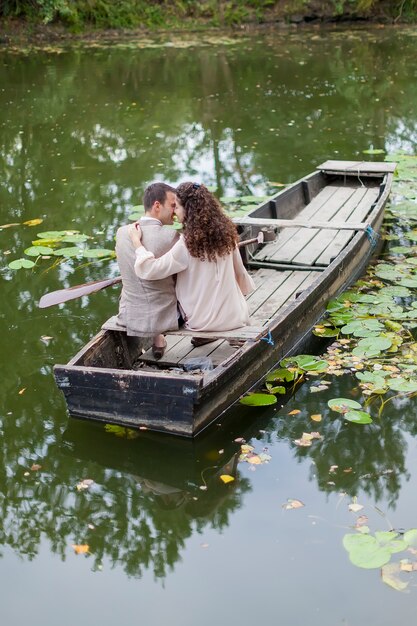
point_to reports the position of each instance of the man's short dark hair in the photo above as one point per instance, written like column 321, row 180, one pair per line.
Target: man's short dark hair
column 156, row 192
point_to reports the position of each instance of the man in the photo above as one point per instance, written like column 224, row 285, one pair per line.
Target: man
column 149, row 307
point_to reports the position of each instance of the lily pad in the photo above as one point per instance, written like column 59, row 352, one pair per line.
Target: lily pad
column 75, row 238
column 410, row 537
column 54, row 234
column 358, row 417
column 37, row 250
column 19, row 264
column 342, row 405
column 306, row 363
column 258, row 399
column 399, row 292
column 97, row 253
column 282, row 374
column 68, row 252
column 363, row 328
column 402, row 385
column 372, row 346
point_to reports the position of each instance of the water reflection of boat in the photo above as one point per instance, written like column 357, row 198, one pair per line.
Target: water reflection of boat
column 173, row 472
column 327, row 233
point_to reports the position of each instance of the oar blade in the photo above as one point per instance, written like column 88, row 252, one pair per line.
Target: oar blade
column 72, row 293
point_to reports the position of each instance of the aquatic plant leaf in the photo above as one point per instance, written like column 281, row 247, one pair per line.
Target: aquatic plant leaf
column 342, row 405
column 402, row 385
column 364, row 551
column 342, row 318
column 50, row 243
column 293, row 504
column 253, row 199
column 56, row 234
column 410, row 537
column 400, row 249
column 258, row 399
column 81, row 548
column 374, row 151
column 388, row 272
column 226, row 478
column 34, row 222
column 377, row 380
column 306, row 362
column 97, row 253
column 389, row 539
column 316, row 417
column 278, row 389
column 372, row 346
column 390, row 576
column 408, row 282
column 121, row 431
column 229, row 200
column 68, row 252
column 9, row 225
column 19, row 264
column 281, row 374
column 321, row 331
column 363, row 328
column 358, row 417
column 75, row 238
column 38, row 250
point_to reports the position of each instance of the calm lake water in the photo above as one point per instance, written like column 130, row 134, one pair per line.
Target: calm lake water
column 82, row 133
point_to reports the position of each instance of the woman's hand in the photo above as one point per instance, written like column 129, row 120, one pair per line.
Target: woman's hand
column 135, row 234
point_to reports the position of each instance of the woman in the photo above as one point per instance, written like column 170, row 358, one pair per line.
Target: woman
column 211, row 278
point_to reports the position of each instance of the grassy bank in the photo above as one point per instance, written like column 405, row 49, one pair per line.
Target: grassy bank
column 78, row 15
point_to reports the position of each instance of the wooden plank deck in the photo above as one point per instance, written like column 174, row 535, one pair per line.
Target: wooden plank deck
column 315, row 246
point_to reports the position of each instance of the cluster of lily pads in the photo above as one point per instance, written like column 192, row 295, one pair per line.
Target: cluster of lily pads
column 374, row 551
column 373, row 324
column 54, row 244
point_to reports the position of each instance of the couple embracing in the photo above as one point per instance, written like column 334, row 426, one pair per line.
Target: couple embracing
column 196, row 278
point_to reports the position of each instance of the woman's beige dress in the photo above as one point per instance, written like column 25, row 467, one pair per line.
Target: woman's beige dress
column 210, row 293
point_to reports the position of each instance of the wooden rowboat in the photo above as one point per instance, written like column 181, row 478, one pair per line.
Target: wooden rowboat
column 327, row 225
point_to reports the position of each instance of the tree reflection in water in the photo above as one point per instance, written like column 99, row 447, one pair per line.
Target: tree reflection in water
column 78, row 152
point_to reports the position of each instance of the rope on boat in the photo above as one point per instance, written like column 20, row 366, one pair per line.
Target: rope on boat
column 268, row 339
column 372, row 235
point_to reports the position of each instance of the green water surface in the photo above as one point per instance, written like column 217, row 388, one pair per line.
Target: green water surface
column 82, row 132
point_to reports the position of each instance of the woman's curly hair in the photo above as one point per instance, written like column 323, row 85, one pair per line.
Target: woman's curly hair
column 208, row 232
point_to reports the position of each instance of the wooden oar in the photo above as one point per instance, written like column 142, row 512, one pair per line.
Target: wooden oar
column 72, row 293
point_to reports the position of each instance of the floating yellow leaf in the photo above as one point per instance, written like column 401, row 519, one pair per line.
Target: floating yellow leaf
column 390, row 576
column 255, row 460
column 316, row 417
column 293, row 504
column 84, row 484
column 226, row 478
column 22, row 391
column 294, row 412
column 245, row 448
column 34, row 222
column 81, row 549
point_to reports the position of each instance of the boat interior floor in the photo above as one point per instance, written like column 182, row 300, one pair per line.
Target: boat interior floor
column 315, row 247
column 302, row 251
